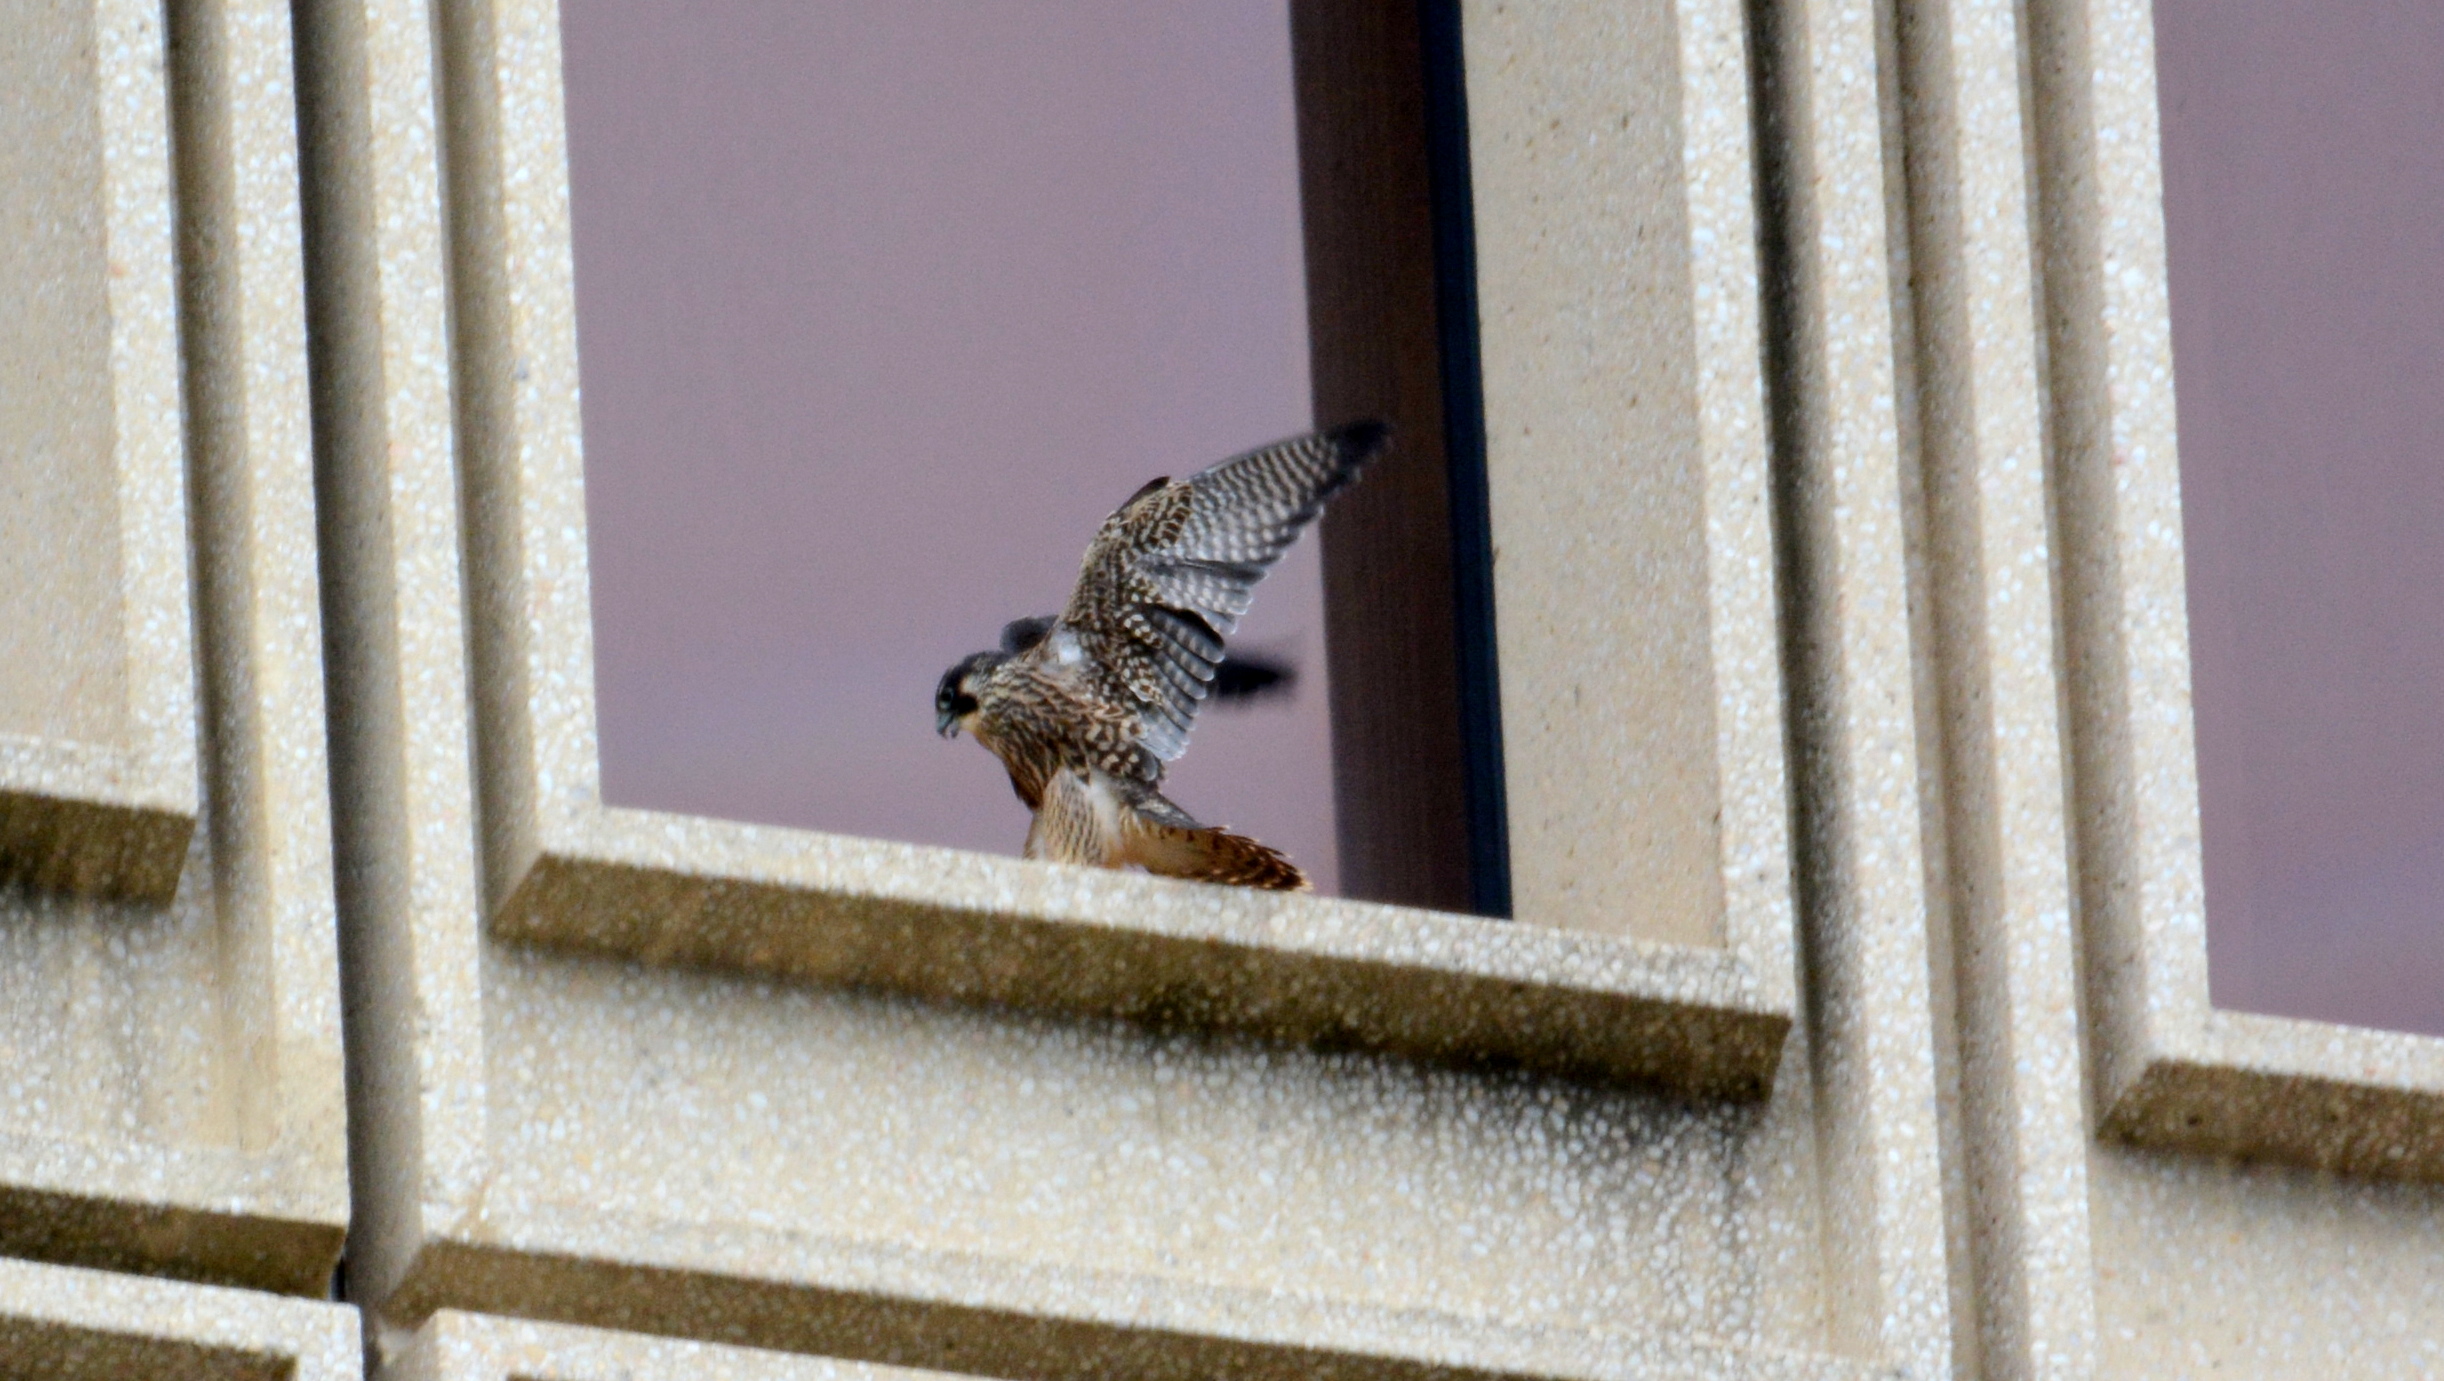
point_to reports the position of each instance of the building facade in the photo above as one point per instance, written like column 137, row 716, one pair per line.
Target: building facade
column 1854, row 1019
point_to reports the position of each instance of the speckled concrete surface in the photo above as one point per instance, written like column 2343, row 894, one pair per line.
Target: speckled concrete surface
column 98, row 754
column 2015, row 971
column 64, row 1324
column 2211, row 1268
column 1626, row 454
column 1867, row 760
column 462, row 1347
column 470, row 1347
column 690, row 1128
column 170, row 1081
column 737, row 1156
column 1143, row 1166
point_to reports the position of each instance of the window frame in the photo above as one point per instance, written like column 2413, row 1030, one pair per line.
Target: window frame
column 114, row 818
column 2169, row 1068
column 434, row 976
column 565, row 870
column 224, row 1044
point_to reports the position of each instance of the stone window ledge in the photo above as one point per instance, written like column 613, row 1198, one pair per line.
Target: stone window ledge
column 975, row 927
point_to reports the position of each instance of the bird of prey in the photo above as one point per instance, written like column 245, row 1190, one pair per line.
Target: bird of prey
column 1087, row 708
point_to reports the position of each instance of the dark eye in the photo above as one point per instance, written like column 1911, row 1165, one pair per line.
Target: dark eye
column 951, row 696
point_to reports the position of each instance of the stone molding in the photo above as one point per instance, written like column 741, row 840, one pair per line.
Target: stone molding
column 76, row 1325
column 98, row 756
column 173, row 1096
column 2006, row 891
column 1867, row 775
column 471, row 1347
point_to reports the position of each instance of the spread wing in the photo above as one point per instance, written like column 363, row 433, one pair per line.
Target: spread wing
column 1171, row 572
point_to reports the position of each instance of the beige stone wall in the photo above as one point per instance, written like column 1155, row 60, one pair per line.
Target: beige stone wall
column 171, row 1084
column 1853, row 1023
column 71, row 1324
column 97, row 697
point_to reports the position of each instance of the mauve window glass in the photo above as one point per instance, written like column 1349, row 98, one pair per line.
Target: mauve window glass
column 2304, row 202
column 882, row 307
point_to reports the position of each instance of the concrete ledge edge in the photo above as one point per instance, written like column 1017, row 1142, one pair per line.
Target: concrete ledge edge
column 975, row 928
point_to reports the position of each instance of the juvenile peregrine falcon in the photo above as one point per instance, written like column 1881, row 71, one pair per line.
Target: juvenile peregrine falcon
column 1087, row 708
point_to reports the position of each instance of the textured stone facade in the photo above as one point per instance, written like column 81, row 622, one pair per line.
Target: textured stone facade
column 172, row 1098
column 1853, row 1022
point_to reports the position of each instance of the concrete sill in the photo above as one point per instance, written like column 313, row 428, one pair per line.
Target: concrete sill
column 2339, row 1099
column 81, row 818
column 966, row 927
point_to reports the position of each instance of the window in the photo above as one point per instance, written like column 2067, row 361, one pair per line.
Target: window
column 97, row 694
column 1653, row 825
column 560, row 1029
column 881, row 309
column 2175, row 1062
column 2301, row 196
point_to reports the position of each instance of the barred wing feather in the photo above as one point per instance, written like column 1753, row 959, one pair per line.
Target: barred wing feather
column 1171, row 573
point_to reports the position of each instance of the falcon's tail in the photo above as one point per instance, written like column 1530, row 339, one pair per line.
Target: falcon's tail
column 1094, row 818
column 1161, row 838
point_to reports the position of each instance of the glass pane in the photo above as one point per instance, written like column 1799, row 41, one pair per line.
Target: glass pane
column 884, row 306
column 2304, row 201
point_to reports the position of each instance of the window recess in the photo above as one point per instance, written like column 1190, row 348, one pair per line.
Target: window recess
column 2169, row 729
column 1628, row 634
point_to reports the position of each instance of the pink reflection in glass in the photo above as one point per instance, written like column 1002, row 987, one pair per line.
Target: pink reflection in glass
column 882, row 307
column 2304, row 203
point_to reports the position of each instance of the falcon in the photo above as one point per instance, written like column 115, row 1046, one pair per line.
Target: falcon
column 1088, row 708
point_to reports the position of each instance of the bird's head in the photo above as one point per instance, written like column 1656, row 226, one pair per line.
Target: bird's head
column 954, row 700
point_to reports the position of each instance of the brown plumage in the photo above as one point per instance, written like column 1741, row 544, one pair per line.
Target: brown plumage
column 1088, row 708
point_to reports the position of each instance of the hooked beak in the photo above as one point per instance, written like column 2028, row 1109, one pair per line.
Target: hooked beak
column 946, row 724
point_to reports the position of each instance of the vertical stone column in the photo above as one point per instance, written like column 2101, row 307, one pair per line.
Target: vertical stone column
column 169, row 1007
column 1866, row 763
column 98, row 735
column 2007, row 894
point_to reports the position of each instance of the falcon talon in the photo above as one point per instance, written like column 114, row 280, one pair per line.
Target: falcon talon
column 1088, row 708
